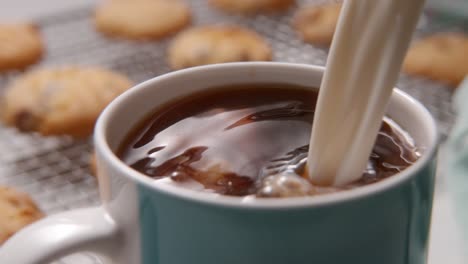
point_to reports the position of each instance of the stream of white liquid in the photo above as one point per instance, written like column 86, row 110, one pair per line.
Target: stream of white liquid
column 365, row 59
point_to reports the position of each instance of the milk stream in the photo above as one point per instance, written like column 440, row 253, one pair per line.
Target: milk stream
column 369, row 46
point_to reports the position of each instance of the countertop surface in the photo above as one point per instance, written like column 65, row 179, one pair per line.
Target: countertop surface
column 445, row 246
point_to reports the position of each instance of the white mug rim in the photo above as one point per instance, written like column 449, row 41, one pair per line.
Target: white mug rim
column 109, row 156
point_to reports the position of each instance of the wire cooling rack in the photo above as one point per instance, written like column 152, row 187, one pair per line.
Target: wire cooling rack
column 55, row 170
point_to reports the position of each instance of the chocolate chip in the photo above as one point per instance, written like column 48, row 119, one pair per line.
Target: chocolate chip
column 244, row 56
column 26, row 121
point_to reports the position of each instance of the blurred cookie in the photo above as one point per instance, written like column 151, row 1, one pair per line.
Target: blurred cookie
column 217, row 44
column 316, row 24
column 16, row 211
column 252, row 6
column 20, row 46
column 61, row 101
column 142, row 19
column 93, row 164
column 442, row 57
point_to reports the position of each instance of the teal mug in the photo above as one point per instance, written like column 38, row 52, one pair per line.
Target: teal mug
column 386, row 222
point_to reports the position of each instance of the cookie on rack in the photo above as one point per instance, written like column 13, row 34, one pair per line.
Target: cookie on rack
column 61, row 101
column 20, row 46
column 16, row 211
column 142, row 19
column 252, row 6
column 217, row 44
column 316, row 23
column 442, row 57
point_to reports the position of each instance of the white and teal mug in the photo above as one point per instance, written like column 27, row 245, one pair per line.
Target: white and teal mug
column 139, row 223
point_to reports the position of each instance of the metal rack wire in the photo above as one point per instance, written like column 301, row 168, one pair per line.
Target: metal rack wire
column 55, row 170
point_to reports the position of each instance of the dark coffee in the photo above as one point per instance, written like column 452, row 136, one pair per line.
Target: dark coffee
column 247, row 140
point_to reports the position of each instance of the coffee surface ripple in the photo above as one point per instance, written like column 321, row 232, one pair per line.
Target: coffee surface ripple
column 246, row 141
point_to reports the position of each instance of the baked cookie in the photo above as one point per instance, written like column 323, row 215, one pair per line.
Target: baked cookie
column 252, row 6
column 442, row 57
column 20, row 46
column 217, row 44
column 16, row 211
column 316, row 24
column 142, row 19
column 61, row 101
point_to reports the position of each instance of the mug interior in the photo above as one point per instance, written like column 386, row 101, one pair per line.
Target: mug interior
column 125, row 112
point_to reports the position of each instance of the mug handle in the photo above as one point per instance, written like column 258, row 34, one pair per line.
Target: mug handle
column 89, row 229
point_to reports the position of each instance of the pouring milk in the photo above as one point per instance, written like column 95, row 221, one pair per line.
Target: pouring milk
column 369, row 46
